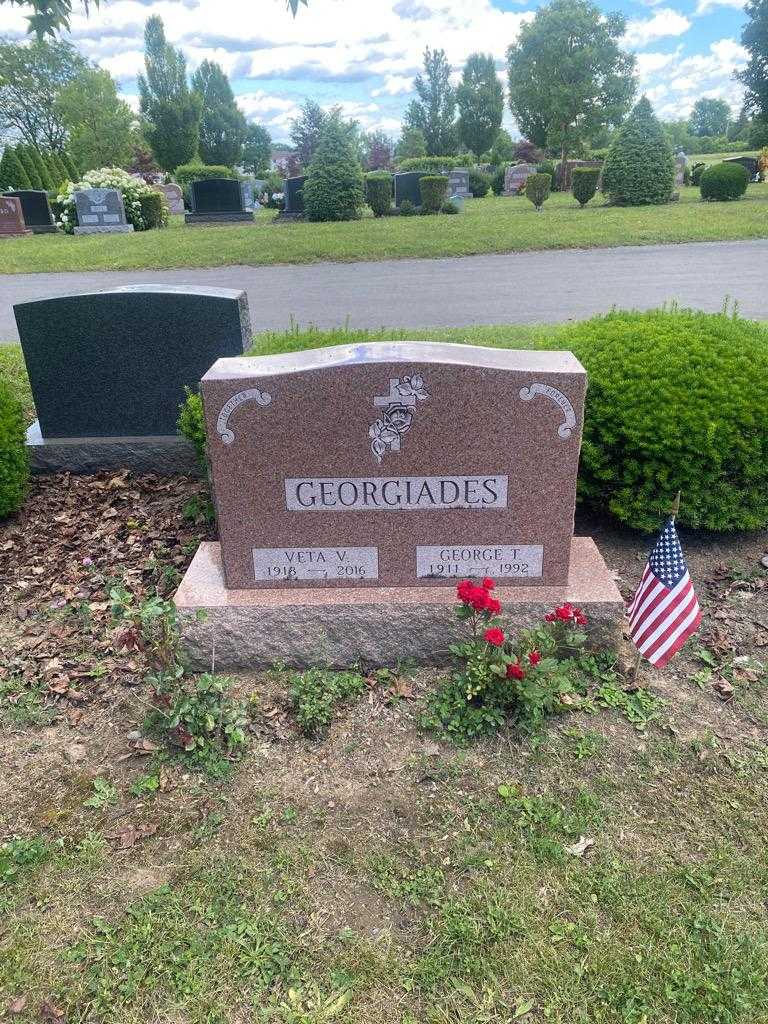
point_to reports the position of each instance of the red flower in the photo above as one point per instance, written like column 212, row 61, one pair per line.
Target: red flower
column 479, row 599
column 515, row 671
column 549, row 617
column 564, row 612
column 493, row 606
column 581, row 619
column 488, row 583
column 534, row 657
column 465, row 590
column 494, row 636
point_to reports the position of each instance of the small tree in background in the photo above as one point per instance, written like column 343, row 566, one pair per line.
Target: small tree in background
column 223, row 127
column 480, row 99
column 334, row 186
column 257, row 151
column 709, row 117
column 41, row 168
column 98, row 121
column 378, row 151
column 537, row 187
column 306, row 131
column 640, row 167
column 378, row 192
column 584, row 184
column 434, row 112
column 502, row 150
column 68, row 165
column 12, row 173
column 411, row 144
column 527, row 152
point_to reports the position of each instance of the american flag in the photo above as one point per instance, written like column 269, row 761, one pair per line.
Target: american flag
column 664, row 612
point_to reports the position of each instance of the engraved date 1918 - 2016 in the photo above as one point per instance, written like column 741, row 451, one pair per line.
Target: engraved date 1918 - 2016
column 431, row 562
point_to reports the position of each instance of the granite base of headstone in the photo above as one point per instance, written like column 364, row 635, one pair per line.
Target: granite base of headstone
column 353, row 492
column 108, row 372
column 217, row 201
column 36, row 210
column 12, row 217
column 100, row 211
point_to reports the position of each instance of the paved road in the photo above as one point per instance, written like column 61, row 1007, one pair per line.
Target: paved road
column 535, row 287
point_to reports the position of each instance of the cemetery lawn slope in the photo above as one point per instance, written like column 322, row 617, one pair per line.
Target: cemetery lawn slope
column 487, row 225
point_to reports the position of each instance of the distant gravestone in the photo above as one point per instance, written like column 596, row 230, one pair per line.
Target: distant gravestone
column 458, row 183
column 217, row 199
column 407, row 187
column 247, row 194
column 12, row 217
column 108, row 371
column 100, row 211
column 750, row 164
column 36, row 210
column 294, row 196
column 515, row 178
column 174, row 196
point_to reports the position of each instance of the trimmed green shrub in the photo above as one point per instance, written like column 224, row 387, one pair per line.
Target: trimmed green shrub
column 479, row 183
column 449, row 207
column 677, row 400
column 378, row 192
column 191, row 424
column 407, row 209
column 548, row 167
column 14, row 463
column 584, row 184
column 722, row 182
column 55, row 175
column 42, row 168
column 24, row 153
column 640, row 168
column 434, row 188
column 537, row 188
column 432, row 164
column 68, row 165
column 696, row 172
column 497, row 180
column 334, row 190
column 154, row 210
column 12, row 173
column 185, row 174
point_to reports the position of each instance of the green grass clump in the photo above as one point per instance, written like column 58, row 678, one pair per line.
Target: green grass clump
column 677, row 400
column 316, row 693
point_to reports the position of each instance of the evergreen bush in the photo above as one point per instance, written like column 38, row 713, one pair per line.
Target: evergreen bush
column 677, row 400
column 378, row 192
column 584, row 184
column 434, row 188
column 432, row 164
column 42, row 169
column 640, row 168
column 68, row 165
column 12, row 173
column 407, row 209
column 548, row 167
column 56, row 176
column 497, row 180
column 479, row 183
column 725, row 181
column 187, row 173
column 334, row 188
column 154, row 209
column 26, row 161
column 449, row 207
column 696, row 172
column 14, row 463
column 537, row 188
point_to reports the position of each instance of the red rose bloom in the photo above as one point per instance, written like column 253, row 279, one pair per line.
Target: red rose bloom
column 549, row 617
column 534, row 658
column 479, row 599
column 488, row 583
column 494, row 636
column 581, row 619
column 515, row 672
column 564, row 612
column 465, row 590
column 493, row 606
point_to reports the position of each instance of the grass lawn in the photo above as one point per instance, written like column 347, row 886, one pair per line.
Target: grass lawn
column 487, row 225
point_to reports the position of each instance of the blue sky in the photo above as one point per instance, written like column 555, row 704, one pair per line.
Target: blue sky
column 363, row 54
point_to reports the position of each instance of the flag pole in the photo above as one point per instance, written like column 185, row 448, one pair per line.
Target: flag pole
column 674, row 509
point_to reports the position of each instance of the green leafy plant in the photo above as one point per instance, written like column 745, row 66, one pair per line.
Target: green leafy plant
column 696, row 172
column 527, row 680
column 315, row 694
column 14, row 461
column 432, row 164
column 704, row 432
column 434, row 188
column 407, row 209
column 723, row 182
column 202, row 716
column 497, row 180
column 449, row 207
column 640, row 167
column 131, row 189
column 584, row 185
column 537, row 188
column 154, row 210
column 333, row 190
column 378, row 192
column 479, row 182
column 191, row 424
column 104, row 794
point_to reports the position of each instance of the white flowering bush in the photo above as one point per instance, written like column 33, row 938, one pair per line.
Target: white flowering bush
column 132, row 190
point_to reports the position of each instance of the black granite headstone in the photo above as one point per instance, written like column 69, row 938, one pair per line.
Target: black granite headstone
column 217, row 195
column 36, row 210
column 750, row 164
column 115, row 363
column 294, row 197
column 407, row 187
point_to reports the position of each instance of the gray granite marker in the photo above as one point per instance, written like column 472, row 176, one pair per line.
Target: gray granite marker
column 100, row 211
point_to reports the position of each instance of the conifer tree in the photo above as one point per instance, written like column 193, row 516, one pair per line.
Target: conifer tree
column 12, row 173
column 334, row 186
column 640, row 167
column 26, row 161
column 222, row 123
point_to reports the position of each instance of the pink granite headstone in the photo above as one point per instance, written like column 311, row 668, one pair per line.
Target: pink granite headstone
column 515, row 178
column 395, row 464
column 174, row 197
column 11, row 217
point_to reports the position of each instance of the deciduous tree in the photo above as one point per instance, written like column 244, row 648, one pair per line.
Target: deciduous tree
column 170, row 110
column 754, row 77
column 306, row 130
column 377, row 151
column 223, row 127
column 568, row 76
column 434, row 112
column 410, row 144
column 257, row 150
column 480, row 99
column 98, row 121
column 709, row 117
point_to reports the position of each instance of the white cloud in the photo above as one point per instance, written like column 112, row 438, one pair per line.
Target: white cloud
column 395, row 85
column 665, row 22
column 705, row 6
column 673, row 83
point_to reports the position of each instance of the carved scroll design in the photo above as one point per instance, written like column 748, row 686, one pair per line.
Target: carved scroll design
column 566, row 428
column 222, row 429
